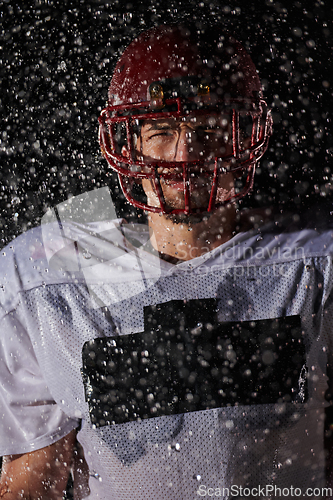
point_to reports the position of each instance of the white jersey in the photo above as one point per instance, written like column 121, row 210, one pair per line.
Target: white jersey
column 188, row 380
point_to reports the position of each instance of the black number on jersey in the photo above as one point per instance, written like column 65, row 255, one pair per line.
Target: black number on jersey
column 185, row 361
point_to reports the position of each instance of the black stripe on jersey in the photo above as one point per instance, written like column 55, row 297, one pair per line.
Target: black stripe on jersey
column 185, row 361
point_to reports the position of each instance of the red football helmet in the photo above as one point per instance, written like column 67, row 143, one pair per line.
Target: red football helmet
column 178, row 73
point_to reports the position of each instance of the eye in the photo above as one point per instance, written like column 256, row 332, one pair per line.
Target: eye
column 205, row 129
column 160, row 134
column 163, row 131
column 211, row 133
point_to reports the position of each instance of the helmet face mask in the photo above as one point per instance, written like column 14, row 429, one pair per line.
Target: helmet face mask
column 223, row 112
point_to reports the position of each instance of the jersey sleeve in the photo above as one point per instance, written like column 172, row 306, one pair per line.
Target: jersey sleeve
column 30, row 419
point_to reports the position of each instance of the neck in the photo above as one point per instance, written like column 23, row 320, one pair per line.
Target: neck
column 189, row 237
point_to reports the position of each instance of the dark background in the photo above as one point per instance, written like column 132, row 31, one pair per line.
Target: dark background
column 56, row 63
column 57, row 60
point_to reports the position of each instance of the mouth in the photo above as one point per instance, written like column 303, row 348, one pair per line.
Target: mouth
column 174, row 193
column 194, row 183
column 197, row 177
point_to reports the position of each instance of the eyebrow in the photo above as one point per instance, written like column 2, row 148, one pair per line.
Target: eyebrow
column 159, row 125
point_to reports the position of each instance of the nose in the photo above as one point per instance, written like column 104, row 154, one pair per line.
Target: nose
column 187, row 146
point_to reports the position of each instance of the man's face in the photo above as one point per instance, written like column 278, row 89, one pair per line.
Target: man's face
column 183, row 140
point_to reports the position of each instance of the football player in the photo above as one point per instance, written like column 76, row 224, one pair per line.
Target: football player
column 184, row 360
column 187, row 122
